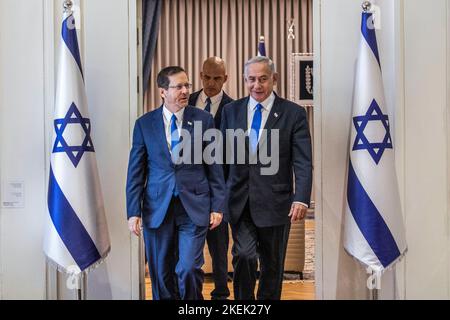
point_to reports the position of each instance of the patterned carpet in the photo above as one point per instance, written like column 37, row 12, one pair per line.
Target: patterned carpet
column 308, row 271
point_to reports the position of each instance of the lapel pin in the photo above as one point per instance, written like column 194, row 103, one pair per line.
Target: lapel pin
column 276, row 115
column 189, row 123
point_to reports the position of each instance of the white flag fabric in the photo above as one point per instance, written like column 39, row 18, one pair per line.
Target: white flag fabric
column 76, row 237
column 374, row 232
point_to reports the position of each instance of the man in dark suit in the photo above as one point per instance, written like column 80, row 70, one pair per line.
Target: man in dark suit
column 212, row 99
column 261, row 206
column 176, row 202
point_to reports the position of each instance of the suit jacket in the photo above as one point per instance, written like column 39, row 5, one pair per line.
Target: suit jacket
column 270, row 196
column 152, row 174
column 218, row 117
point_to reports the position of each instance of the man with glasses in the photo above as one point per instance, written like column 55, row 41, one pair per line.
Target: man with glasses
column 175, row 202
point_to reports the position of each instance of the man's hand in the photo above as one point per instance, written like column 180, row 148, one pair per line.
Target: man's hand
column 134, row 224
column 215, row 219
column 298, row 212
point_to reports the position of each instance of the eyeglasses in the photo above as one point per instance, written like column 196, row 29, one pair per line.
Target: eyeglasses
column 180, row 86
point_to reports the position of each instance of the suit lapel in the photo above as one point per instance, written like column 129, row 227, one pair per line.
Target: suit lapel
column 275, row 114
column 241, row 117
column 193, row 98
column 161, row 133
column 218, row 118
column 225, row 99
column 188, row 122
column 242, row 120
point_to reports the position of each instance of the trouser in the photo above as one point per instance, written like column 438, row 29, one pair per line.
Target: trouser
column 175, row 255
column 268, row 245
column 217, row 240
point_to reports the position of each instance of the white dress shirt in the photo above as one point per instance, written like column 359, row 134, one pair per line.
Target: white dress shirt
column 265, row 111
column 215, row 102
column 167, row 116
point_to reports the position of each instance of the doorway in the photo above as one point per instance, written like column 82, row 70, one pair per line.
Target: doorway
column 299, row 278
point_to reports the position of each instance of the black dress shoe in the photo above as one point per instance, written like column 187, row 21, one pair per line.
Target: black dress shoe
column 219, row 298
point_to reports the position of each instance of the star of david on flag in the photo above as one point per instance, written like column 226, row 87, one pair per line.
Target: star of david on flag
column 74, row 152
column 362, row 142
column 373, row 224
column 76, row 236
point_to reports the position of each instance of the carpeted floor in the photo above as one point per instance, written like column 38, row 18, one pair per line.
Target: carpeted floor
column 308, row 271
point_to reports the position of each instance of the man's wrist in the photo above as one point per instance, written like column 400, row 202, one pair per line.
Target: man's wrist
column 302, row 203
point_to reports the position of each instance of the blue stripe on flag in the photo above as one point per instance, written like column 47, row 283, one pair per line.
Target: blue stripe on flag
column 69, row 35
column 262, row 49
column 368, row 31
column 370, row 221
column 69, row 227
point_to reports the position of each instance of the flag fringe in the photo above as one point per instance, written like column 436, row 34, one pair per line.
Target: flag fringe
column 95, row 265
column 384, row 269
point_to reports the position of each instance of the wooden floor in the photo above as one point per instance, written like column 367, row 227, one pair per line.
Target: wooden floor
column 292, row 290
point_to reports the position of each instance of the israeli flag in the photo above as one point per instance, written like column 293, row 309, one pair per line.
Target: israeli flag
column 77, row 236
column 374, row 231
column 261, row 47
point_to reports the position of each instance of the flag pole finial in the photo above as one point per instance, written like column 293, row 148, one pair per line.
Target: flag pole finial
column 261, row 38
column 68, row 4
column 366, row 5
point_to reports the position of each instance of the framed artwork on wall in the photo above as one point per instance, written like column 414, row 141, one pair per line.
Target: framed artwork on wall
column 302, row 81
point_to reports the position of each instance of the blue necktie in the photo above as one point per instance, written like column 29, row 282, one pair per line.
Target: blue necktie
column 256, row 126
column 175, row 139
column 208, row 105
column 175, row 136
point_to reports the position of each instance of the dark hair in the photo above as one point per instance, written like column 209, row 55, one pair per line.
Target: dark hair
column 163, row 76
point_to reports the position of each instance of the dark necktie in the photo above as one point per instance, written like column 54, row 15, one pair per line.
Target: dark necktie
column 208, row 105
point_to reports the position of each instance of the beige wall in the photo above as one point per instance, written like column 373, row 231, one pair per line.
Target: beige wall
column 27, row 61
column 413, row 44
column 22, row 147
column 426, row 149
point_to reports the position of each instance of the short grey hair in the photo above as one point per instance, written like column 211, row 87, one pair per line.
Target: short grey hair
column 259, row 59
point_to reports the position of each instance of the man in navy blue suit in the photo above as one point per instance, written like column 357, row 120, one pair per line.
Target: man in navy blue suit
column 262, row 204
column 212, row 99
column 175, row 202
